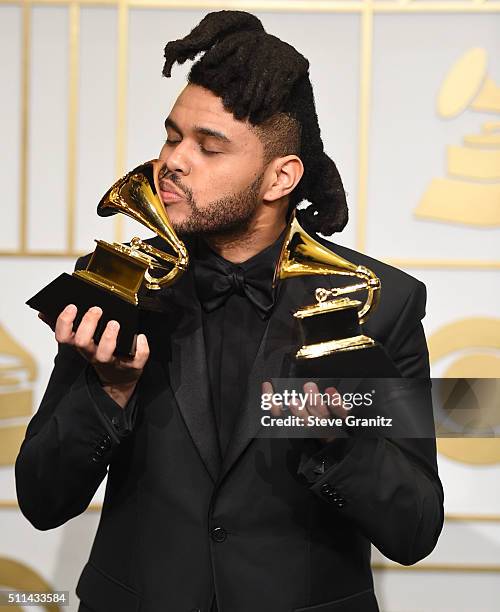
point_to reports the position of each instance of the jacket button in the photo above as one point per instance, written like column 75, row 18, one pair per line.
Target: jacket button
column 325, row 488
column 106, row 442
column 219, row 534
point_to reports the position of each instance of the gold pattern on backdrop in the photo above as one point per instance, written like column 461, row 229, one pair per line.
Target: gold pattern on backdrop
column 470, row 194
column 17, row 374
column 477, row 342
column 17, row 576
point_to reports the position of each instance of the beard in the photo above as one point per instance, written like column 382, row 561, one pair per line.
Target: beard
column 228, row 215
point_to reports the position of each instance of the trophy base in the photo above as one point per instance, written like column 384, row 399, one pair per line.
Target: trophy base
column 356, row 362
column 67, row 289
column 347, row 353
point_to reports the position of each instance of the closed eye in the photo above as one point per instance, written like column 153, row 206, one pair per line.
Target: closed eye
column 202, row 148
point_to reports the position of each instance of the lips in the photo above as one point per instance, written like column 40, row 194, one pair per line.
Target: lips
column 170, row 192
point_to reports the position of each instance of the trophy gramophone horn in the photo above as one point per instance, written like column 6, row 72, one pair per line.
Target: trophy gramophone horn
column 302, row 255
column 136, row 195
column 117, row 276
column 332, row 340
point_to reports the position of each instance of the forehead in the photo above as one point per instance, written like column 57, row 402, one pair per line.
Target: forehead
column 197, row 106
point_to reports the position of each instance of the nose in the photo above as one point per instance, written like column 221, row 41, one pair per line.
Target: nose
column 176, row 159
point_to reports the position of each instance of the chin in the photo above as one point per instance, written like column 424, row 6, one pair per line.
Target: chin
column 177, row 217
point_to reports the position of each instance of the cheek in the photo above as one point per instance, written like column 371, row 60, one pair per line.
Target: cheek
column 210, row 185
column 217, row 182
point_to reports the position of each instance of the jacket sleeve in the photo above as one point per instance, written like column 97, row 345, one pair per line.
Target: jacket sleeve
column 389, row 487
column 69, row 442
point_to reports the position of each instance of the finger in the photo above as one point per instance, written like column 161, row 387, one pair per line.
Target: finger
column 267, row 389
column 276, row 409
column 298, row 409
column 315, row 405
column 64, row 324
column 141, row 352
column 336, row 405
column 84, row 334
column 107, row 343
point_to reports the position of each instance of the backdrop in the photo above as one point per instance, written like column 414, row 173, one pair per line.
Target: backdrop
column 408, row 98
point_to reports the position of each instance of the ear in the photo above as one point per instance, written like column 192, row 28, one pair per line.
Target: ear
column 281, row 177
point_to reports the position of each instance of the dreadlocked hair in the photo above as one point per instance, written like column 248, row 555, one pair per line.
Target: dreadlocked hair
column 266, row 81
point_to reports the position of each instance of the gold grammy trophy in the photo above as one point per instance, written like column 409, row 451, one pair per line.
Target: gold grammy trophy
column 333, row 343
column 122, row 279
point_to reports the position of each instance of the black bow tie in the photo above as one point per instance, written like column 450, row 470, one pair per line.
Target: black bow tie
column 216, row 279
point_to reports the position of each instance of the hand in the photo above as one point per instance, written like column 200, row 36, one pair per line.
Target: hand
column 118, row 375
column 314, row 405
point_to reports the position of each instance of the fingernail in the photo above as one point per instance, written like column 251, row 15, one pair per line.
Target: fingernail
column 70, row 308
column 96, row 310
column 113, row 325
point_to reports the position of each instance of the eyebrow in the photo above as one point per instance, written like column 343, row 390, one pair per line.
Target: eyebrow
column 199, row 130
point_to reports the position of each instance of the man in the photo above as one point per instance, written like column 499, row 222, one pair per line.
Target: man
column 200, row 512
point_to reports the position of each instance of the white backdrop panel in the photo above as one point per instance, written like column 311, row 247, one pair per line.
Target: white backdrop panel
column 10, row 124
column 409, row 591
column 411, row 56
column 455, row 295
column 47, row 187
column 97, row 122
column 476, row 543
column 458, row 294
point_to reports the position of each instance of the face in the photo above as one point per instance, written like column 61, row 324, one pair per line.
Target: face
column 213, row 173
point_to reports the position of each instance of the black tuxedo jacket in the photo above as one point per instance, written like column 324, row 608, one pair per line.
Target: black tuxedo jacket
column 180, row 524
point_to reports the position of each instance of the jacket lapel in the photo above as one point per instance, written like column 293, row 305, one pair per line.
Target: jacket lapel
column 188, row 373
column 274, row 357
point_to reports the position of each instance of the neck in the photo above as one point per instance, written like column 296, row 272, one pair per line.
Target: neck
column 240, row 246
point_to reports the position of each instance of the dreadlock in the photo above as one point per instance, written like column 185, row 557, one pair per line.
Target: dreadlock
column 265, row 80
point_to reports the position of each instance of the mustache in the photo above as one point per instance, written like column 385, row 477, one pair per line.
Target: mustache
column 173, row 178
column 164, row 187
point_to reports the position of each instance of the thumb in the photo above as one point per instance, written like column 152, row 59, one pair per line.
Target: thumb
column 141, row 351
